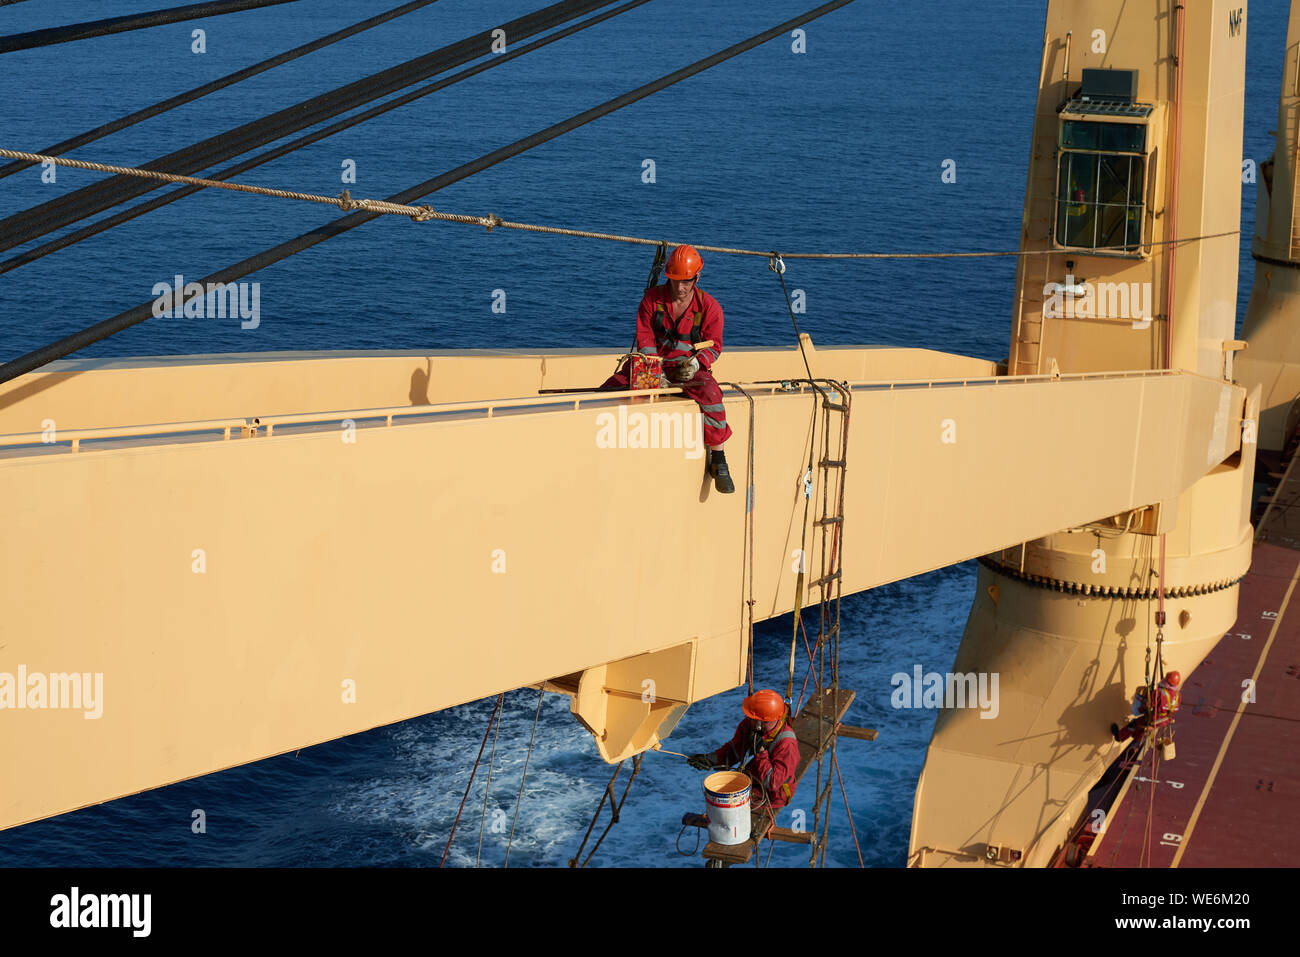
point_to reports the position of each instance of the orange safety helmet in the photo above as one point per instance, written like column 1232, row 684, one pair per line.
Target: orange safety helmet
column 1174, row 679
column 684, row 263
column 765, row 705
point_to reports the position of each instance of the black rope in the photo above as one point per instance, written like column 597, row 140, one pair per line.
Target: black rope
column 524, row 777
column 162, row 106
column 452, row 836
column 747, row 546
column 93, row 229
column 678, row 843
column 614, row 811
column 661, row 258
column 607, row 794
column 131, row 21
column 777, row 265
column 57, row 213
column 138, row 314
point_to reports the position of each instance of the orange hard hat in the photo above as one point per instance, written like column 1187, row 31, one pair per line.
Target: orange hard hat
column 1174, row 679
column 684, row 263
column 765, row 705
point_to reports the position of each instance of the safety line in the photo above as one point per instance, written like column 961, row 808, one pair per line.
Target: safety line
column 487, row 788
column 452, row 835
column 607, row 794
column 614, row 810
column 524, row 777
column 852, row 828
column 491, row 221
column 747, row 543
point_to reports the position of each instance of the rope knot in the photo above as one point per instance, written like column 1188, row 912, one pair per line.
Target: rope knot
column 424, row 215
column 345, row 201
column 490, row 220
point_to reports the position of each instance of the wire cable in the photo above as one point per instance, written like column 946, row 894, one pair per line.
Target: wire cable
column 93, row 229
column 524, row 777
column 131, row 21
column 452, row 835
column 138, row 314
column 162, row 106
column 57, row 213
column 487, row 788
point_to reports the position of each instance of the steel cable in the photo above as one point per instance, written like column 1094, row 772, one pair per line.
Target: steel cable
column 138, row 314
column 524, row 777
column 131, row 21
column 99, row 226
column 162, row 106
column 57, row 213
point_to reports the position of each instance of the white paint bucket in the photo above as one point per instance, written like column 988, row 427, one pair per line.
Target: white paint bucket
column 727, row 795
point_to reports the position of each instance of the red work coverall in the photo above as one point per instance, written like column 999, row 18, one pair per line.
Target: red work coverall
column 1168, row 698
column 658, row 334
column 772, row 770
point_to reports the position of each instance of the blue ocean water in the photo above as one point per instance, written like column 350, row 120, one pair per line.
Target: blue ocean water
column 839, row 148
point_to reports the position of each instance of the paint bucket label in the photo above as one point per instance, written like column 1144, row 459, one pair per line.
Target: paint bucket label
column 726, row 794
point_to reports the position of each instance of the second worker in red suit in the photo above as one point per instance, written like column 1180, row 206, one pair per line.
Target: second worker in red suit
column 765, row 733
column 670, row 321
column 1156, row 709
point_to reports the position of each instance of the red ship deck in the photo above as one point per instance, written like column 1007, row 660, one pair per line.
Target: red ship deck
column 1232, row 794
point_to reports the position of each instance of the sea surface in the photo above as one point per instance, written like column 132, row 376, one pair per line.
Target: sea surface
column 840, row 148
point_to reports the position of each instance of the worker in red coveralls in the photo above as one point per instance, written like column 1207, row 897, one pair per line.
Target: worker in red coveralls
column 672, row 318
column 765, row 733
column 1167, row 700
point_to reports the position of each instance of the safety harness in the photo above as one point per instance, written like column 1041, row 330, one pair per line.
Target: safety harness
column 781, row 735
column 659, row 323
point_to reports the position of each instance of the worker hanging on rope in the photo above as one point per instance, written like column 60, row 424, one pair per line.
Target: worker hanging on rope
column 766, row 734
column 1154, row 708
column 682, row 324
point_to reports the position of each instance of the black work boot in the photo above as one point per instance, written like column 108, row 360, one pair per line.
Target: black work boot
column 721, row 474
column 1114, row 731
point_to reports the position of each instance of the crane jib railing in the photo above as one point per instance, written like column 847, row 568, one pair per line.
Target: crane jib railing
column 266, row 425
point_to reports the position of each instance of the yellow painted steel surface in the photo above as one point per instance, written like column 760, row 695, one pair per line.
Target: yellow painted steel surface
column 247, row 596
column 1115, row 334
column 1067, row 621
column 250, row 554
column 1272, row 323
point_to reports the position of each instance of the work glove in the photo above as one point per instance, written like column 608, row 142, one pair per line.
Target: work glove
column 685, row 371
column 701, row 762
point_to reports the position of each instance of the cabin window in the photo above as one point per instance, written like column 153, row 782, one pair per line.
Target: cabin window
column 1101, row 185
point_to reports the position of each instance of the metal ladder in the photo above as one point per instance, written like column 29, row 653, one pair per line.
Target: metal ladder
column 1295, row 186
column 833, row 468
column 1040, row 221
column 1291, row 135
column 1029, row 331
